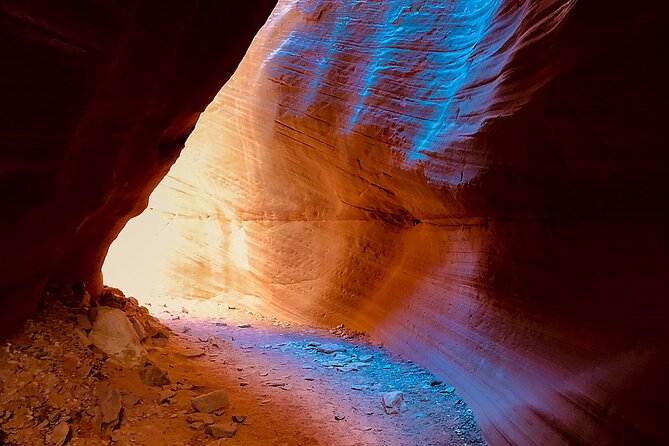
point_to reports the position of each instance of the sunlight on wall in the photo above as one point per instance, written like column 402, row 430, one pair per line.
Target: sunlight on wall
column 179, row 248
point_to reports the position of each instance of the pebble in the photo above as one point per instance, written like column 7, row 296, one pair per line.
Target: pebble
column 238, row 418
column 244, row 325
column 58, row 435
column 331, row 348
column 392, row 402
column 222, row 430
column 166, row 395
column 205, row 419
column 211, row 401
column 153, row 376
column 111, row 409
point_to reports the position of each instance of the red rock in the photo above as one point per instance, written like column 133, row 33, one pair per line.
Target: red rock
column 514, row 240
column 97, row 102
column 506, row 228
column 211, row 401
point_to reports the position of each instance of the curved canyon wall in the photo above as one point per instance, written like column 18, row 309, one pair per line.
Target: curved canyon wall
column 477, row 183
column 98, row 99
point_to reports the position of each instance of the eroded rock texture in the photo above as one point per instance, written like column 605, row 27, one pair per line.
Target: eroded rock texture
column 98, row 99
column 478, row 183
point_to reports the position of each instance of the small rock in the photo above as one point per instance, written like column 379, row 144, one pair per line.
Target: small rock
column 366, row 358
column 205, row 419
column 238, row 418
column 331, row 348
column 333, row 364
column 244, row 326
column 111, row 409
column 231, row 307
column 166, row 395
column 153, row 376
column 129, row 400
column 449, row 389
column 59, row 435
column 192, row 352
column 436, row 382
column 221, row 324
column 222, row 430
column 212, row 401
column 387, row 366
column 83, row 339
column 139, row 329
column 393, row 402
column 276, row 383
column 84, row 322
column 359, row 365
column 339, row 416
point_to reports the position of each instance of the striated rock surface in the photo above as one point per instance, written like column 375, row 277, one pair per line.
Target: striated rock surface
column 97, row 101
column 477, row 183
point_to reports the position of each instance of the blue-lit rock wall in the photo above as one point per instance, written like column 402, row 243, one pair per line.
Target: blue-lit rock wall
column 419, row 77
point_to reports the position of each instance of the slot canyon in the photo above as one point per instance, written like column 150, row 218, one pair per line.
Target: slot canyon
column 401, row 222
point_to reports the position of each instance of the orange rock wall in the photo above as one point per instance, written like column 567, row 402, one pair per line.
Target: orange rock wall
column 479, row 184
column 98, row 99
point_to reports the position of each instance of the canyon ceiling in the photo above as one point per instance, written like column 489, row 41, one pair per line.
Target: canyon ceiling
column 478, row 184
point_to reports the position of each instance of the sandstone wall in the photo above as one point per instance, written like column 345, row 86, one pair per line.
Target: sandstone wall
column 479, row 184
column 98, row 99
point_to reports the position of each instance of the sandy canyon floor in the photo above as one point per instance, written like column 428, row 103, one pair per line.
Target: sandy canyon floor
column 286, row 385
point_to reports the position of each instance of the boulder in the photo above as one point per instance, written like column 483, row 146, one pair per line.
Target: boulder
column 113, row 334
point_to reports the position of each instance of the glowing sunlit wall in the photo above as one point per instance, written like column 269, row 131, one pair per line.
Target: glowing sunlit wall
column 339, row 108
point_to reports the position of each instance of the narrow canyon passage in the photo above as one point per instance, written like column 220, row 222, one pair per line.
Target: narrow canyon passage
column 330, row 384
column 284, row 384
column 474, row 189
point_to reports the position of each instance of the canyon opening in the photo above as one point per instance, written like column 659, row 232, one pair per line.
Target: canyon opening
column 315, row 222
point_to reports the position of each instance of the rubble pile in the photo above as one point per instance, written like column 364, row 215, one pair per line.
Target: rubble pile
column 79, row 373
